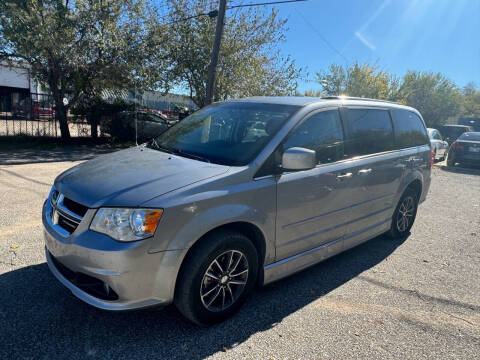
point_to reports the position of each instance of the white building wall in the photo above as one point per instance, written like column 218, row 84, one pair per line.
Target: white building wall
column 15, row 77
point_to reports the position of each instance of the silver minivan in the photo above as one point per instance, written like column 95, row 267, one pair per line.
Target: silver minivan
column 240, row 193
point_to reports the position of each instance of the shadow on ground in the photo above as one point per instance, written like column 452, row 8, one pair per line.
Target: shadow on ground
column 460, row 169
column 30, row 156
column 41, row 319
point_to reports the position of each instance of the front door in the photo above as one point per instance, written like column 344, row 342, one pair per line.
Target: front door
column 312, row 205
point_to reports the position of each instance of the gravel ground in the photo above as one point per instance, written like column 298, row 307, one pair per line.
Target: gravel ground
column 417, row 298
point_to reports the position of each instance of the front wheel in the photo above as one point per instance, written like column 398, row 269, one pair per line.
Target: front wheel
column 217, row 277
column 404, row 215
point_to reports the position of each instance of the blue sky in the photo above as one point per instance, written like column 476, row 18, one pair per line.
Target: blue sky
column 427, row 35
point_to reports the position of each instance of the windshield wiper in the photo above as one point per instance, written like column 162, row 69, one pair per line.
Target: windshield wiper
column 161, row 148
column 190, row 155
column 179, row 152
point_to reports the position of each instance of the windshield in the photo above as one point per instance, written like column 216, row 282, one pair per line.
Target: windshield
column 231, row 133
column 470, row 136
column 454, row 130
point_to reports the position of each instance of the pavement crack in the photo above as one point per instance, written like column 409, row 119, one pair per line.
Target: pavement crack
column 458, row 317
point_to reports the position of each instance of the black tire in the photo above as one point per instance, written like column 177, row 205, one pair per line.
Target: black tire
column 444, row 156
column 408, row 197
column 193, row 278
column 450, row 161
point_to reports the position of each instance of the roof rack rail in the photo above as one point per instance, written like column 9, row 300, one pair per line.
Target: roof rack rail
column 339, row 97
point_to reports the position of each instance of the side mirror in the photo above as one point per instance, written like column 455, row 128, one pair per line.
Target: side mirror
column 298, row 158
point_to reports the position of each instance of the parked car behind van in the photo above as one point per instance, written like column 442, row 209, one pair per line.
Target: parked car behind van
column 239, row 193
column 452, row 132
column 439, row 146
column 465, row 150
column 148, row 125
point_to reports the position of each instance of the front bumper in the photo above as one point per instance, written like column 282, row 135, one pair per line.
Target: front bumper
column 136, row 277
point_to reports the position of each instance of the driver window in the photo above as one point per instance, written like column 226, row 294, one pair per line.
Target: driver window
column 321, row 132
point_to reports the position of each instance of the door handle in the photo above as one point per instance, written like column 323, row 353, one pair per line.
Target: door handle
column 364, row 171
column 344, row 176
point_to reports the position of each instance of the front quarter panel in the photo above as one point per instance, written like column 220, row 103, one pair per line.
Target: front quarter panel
column 193, row 212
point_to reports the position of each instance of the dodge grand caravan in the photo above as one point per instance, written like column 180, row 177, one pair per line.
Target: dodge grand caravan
column 239, row 193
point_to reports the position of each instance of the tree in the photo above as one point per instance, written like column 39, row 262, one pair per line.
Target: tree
column 471, row 101
column 249, row 63
column 435, row 96
column 81, row 47
column 359, row 80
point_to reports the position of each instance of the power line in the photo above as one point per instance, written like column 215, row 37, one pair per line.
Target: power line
column 214, row 13
column 315, row 30
column 265, row 3
column 211, row 14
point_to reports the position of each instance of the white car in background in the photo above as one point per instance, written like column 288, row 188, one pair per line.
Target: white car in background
column 439, row 146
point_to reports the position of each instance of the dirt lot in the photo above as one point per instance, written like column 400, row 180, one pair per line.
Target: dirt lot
column 417, row 298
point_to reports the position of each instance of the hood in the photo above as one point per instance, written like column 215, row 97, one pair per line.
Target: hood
column 132, row 176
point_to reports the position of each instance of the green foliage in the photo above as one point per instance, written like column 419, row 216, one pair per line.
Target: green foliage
column 310, row 93
column 360, row 80
column 435, row 96
column 249, row 64
column 79, row 47
column 471, row 101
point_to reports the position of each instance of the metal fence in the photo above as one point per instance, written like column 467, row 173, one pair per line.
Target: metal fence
column 34, row 115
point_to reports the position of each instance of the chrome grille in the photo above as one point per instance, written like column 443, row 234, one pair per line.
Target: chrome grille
column 62, row 214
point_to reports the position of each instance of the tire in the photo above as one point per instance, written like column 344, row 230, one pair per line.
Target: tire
column 435, row 156
column 222, row 289
column 444, row 156
column 450, row 161
column 408, row 201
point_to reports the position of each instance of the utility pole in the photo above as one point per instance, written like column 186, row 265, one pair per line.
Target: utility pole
column 212, row 69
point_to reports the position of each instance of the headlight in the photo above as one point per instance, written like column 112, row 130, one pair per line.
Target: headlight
column 126, row 224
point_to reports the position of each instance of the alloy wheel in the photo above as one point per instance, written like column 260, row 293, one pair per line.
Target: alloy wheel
column 405, row 213
column 224, row 280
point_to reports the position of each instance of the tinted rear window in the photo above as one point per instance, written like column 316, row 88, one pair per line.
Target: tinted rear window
column 409, row 129
column 370, row 131
column 454, row 131
column 471, row 136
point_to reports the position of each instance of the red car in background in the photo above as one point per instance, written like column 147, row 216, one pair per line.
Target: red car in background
column 42, row 110
column 157, row 112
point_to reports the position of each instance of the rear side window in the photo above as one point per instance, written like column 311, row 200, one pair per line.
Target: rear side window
column 321, row 132
column 370, row 131
column 409, row 129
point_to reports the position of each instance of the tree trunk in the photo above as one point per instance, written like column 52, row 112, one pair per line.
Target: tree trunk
column 61, row 117
column 93, row 120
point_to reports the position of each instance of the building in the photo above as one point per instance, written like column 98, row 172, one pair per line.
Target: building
column 473, row 122
column 16, row 88
column 151, row 99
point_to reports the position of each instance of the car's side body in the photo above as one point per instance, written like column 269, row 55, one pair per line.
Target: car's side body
column 439, row 146
column 294, row 218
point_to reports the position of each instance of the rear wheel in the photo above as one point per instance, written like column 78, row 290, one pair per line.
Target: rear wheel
column 404, row 215
column 444, row 155
column 217, row 277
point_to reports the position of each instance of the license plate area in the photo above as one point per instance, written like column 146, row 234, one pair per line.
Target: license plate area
column 474, row 149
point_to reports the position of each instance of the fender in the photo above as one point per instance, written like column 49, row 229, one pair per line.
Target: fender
column 406, row 181
column 202, row 223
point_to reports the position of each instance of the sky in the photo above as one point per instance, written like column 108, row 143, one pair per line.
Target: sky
column 400, row 35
